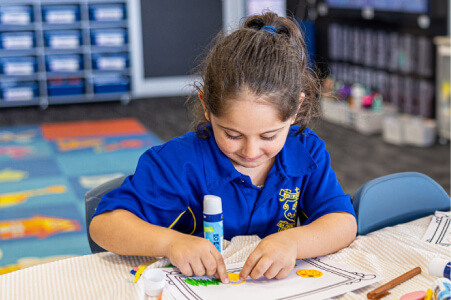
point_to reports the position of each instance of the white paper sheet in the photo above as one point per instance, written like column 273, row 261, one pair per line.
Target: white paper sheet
column 439, row 230
column 336, row 279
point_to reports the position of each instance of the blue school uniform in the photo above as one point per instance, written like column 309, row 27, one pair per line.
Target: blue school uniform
column 171, row 180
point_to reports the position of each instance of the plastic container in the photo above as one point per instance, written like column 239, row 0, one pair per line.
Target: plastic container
column 64, row 63
column 11, row 91
column 213, row 221
column 65, row 87
column 63, row 39
column 16, row 15
column 107, row 12
column 393, row 130
column 60, row 14
column 18, row 66
column 440, row 268
column 154, row 281
column 420, row 132
column 336, row 111
column 110, row 62
column 442, row 289
column 111, row 84
column 114, row 37
column 19, row 40
column 368, row 121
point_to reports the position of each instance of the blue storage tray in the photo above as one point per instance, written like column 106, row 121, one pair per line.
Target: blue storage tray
column 111, row 84
column 115, row 37
column 64, row 63
column 60, row 14
column 63, row 39
column 16, row 15
column 107, row 12
column 18, row 91
column 65, row 87
column 110, row 61
column 18, row 66
column 20, row 40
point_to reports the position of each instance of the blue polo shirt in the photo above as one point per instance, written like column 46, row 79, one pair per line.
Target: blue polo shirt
column 171, row 180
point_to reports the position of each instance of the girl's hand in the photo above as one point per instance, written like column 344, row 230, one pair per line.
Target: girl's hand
column 193, row 255
column 274, row 257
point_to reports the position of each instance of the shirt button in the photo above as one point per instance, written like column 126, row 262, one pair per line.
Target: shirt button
column 242, row 180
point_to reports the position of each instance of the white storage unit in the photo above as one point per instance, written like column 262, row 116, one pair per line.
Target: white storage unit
column 443, row 86
column 49, row 52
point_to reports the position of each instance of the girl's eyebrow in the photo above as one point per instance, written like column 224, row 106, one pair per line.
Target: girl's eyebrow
column 269, row 131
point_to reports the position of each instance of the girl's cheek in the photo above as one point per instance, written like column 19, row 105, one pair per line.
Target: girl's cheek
column 227, row 146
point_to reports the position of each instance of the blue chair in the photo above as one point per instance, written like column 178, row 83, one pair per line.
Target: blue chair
column 397, row 198
column 92, row 199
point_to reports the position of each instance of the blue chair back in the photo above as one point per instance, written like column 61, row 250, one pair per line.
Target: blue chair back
column 397, row 198
column 92, row 199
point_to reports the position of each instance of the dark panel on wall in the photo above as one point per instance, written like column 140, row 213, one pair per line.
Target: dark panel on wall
column 175, row 34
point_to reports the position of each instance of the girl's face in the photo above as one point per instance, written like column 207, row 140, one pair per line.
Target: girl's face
column 250, row 133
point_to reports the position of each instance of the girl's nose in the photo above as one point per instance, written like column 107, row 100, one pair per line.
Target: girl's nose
column 250, row 150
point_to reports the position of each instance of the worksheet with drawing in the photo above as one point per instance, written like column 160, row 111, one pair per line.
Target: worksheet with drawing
column 316, row 278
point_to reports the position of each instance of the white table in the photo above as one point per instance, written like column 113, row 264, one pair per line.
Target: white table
column 388, row 252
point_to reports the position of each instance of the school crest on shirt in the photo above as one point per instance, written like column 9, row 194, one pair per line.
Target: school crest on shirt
column 290, row 204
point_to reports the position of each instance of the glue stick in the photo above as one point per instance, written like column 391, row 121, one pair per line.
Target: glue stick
column 440, row 268
column 213, row 226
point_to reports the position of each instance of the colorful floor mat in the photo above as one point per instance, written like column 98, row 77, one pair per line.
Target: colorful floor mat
column 45, row 171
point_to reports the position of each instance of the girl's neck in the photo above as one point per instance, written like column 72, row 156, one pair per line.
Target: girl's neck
column 258, row 174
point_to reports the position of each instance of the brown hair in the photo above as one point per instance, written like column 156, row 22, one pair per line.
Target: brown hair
column 271, row 65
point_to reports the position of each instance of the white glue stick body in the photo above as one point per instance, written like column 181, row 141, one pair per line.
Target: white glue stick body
column 213, row 226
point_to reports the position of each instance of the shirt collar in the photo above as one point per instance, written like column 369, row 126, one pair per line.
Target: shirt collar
column 294, row 159
column 217, row 167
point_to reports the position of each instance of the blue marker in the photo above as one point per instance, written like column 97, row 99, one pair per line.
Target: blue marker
column 213, row 226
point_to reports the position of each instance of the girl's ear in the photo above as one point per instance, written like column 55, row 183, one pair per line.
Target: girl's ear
column 201, row 98
column 301, row 99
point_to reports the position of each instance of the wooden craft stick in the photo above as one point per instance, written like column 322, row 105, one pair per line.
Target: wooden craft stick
column 384, row 288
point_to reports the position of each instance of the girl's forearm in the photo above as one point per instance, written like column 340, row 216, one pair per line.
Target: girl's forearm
column 325, row 235
column 122, row 232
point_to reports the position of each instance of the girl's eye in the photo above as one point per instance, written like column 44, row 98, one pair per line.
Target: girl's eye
column 232, row 137
column 268, row 138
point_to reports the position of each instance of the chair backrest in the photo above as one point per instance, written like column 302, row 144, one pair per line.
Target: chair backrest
column 397, row 198
column 92, row 198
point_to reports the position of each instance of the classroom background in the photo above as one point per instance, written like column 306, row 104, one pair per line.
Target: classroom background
column 87, row 85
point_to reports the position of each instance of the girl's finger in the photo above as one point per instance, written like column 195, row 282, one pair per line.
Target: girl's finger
column 284, row 272
column 273, row 270
column 209, row 263
column 198, row 267
column 249, row 265
column 220, row 266
column 260, row 268
column 185, row 268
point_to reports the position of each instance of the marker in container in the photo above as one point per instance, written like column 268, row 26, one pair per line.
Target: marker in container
column 442, row 289
column 213, row 226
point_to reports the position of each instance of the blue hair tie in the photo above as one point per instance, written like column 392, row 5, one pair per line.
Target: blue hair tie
column 269, row 29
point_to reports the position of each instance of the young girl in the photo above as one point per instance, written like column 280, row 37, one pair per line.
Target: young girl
column 246, row 150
